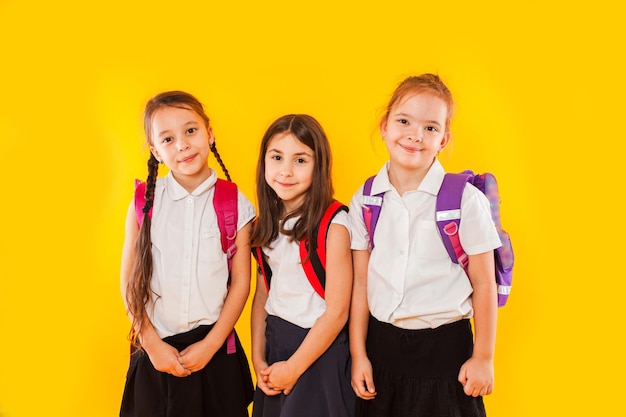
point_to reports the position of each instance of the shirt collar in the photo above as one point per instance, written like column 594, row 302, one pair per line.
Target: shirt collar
column 430, row 184
column 178, row 192
column 433, row 179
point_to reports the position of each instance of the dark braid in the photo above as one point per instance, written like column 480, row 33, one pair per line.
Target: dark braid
column 219, row 160
column 139, row 292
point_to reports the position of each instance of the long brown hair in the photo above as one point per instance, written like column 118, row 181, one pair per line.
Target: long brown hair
column 139, row 293
column 318, row 197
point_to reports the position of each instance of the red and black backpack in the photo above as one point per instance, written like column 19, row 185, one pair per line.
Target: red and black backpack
column 315, row 266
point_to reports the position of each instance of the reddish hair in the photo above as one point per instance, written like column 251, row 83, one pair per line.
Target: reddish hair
column 430, row 83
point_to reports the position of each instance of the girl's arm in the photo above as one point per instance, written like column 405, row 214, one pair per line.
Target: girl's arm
column 362, row 377
column 196, row 356
column 164, row 357
column 128, row 250
column 284, row 375
column 477, row 374
column 257, row 324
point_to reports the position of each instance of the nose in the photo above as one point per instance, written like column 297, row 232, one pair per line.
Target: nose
column 182, row 145
column 417, row 135
column 285, row 170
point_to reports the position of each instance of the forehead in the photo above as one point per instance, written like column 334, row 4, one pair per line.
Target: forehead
column 287, row 142
column 170, row 117
column 423, row 103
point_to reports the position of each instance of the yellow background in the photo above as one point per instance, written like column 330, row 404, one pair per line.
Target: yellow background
column 540, row 91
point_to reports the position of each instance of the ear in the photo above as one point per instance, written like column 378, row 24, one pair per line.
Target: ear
column 383, row 127
column 211, row 136
column 444, row 140
column 155, row 153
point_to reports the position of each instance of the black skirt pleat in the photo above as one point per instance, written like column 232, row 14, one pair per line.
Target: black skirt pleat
column 323, row 390
column 416, row 372
column 223, row 388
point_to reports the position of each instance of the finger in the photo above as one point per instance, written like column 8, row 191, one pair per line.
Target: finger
column 361, row 391
column 273, row 392
column 181, row 370
column 358, row 387
column 462, row 377
column 369, row 384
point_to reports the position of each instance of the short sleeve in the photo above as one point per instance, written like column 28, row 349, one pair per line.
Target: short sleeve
column 245, row 209
column 359, row 238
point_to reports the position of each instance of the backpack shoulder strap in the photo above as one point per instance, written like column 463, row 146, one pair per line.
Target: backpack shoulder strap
column 448, row 214
column 225, row 204
column 315, row 266
column 371, row 208
column 225, row 199
column 140, row 200
column 262, row 266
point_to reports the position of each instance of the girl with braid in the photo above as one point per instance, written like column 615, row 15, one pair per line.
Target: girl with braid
column 175, row 278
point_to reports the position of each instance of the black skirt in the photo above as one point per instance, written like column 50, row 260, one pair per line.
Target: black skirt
column 324, row 390
column 416, row 372
column 223, row 388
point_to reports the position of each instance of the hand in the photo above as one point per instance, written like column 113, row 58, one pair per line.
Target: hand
column 262, row 378
column 195, row 356
column 280, row 376
column 476, row 376
column 164, row 358
column 362, row 379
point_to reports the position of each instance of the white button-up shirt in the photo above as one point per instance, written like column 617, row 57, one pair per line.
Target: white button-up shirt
column 190, row 270
column 291, row 296
column 411, row 281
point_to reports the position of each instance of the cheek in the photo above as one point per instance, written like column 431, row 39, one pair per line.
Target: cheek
column 308, row 177
column 269, row 173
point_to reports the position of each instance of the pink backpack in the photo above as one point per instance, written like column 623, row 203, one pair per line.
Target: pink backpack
column 225, row 203
column 448, row 217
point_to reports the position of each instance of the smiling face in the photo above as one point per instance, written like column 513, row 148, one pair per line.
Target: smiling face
column 180, row 139
column 415, row 131
column 289, row 169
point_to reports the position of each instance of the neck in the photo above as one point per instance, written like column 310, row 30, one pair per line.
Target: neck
column 191, row 182
column 406, row 179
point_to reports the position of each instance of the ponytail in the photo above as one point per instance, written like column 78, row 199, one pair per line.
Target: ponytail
column 138, row 292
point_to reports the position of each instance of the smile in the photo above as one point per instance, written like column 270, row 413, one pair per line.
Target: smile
column 410, row 149
column 188, row 159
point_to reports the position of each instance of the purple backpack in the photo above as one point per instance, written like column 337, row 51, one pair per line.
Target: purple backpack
column 448, row 217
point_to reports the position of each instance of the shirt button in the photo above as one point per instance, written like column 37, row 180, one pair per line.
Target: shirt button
column 187, row 227
column 190, row 200
column 402, row 253
column 185, row 283
column 184, row 311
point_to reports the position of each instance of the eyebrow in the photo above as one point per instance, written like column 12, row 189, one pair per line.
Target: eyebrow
column 296, row 154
